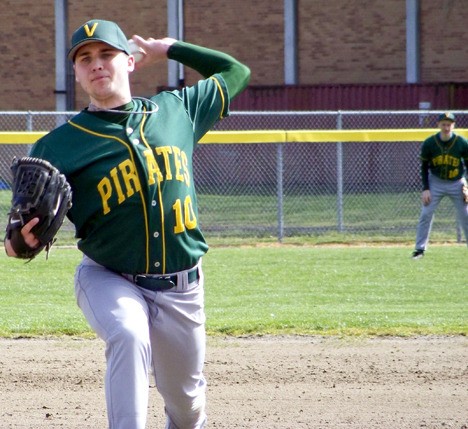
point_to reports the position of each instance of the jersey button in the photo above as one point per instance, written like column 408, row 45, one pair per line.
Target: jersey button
column 129, row 130
column 135, row 141
column 157, row 264
column 156, row 234
column 153, row 203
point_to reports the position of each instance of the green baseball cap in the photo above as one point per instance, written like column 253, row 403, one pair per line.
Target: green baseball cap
column 447, row 116
column 98, row 30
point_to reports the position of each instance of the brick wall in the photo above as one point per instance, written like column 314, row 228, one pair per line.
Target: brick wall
column 345, row 42
column 340, row 42
column 27, row 74
column 444, row 47
column 252, row 31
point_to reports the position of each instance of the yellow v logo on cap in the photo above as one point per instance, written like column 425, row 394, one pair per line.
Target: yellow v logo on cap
column 89, row 32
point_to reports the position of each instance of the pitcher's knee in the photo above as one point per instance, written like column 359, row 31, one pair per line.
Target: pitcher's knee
column 188, row 413
column 129, row 340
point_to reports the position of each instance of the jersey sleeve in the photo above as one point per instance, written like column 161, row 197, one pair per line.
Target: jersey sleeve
column 208, row 100
column 425, row 175
column 209, row 62
column 50, row 148
column 425, row 154
column 465, row 158
column 205, row 103
column 425, row 157
column 41, row 149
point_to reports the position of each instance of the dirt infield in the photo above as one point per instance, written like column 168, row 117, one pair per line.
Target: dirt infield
column 267, row 382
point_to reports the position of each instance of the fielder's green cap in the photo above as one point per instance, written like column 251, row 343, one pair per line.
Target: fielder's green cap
column 98, row 30
column 447, row 116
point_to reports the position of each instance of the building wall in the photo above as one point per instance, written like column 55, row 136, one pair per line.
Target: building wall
column 339, row 42
column 27, row 73
column 252, row 31
column 444, row 47
column 344, row 42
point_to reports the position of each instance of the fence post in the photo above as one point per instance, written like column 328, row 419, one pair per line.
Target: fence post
column 279, row 190
column 29, row 121
column 339, row 175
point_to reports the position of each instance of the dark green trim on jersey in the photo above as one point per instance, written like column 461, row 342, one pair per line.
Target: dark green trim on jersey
column 116, row 118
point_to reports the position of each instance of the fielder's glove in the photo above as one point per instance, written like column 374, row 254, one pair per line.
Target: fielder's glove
column 39, row 190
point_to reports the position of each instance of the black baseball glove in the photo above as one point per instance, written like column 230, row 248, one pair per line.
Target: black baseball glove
column 39, row 190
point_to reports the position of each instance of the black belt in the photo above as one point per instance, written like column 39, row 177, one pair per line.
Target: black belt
column 157, row 282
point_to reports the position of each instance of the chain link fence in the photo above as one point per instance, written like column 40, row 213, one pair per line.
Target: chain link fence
column 361, row 190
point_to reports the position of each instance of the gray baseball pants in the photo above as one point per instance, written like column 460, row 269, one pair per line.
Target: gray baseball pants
column 439, row 189
column 144, row 329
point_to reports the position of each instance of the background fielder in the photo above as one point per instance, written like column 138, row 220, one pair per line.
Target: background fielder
column 444, row 157
column 129, row 163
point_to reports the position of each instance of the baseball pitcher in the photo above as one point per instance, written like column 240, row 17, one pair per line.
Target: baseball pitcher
column 128, row 161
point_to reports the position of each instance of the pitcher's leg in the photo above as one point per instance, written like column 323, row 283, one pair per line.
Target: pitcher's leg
column 178, row 344
column 118, row 313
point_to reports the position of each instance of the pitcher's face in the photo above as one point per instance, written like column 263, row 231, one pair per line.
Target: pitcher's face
column 103, row 73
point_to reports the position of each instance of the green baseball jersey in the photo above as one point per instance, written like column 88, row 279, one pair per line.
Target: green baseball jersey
column 134, row 202
column 445, row 159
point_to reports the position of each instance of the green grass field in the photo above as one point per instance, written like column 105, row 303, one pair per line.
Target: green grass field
column 272, row 289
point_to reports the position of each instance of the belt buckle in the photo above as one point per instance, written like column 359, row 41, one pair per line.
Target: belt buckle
column 154, row 283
